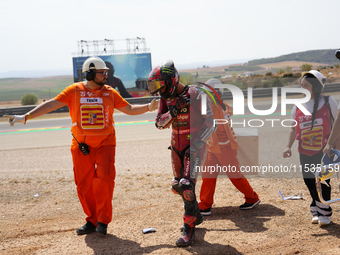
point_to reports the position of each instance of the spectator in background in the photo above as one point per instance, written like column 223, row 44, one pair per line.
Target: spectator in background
column 336, row 126
column 222, row 151
column 115, row 82
column 312, row 132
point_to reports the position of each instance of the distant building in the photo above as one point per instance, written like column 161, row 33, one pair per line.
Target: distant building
column 249, row 74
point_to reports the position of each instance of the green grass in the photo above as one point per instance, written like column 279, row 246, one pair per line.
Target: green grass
column 12, row 89
column 15, row 95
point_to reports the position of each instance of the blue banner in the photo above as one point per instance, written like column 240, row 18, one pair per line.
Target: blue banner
column 130, row 69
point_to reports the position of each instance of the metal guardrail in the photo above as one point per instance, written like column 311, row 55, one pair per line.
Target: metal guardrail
column 19, row 110
column 260, row 92
column 267, row 92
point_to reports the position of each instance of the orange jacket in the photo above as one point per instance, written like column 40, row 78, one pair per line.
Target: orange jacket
column 91, row 113
column 224, row 134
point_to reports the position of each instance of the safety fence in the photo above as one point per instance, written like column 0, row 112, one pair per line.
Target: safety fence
column 227, row 95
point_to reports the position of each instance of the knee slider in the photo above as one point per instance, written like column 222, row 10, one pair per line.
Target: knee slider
column 187, row 189
column 175, row 186
column 189, row 195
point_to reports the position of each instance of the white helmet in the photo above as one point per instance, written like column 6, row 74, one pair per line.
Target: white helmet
column 319, row 76
column 94, row 63
column 318, row 86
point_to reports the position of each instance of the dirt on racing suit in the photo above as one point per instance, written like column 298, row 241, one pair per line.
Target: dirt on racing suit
column 190, row 130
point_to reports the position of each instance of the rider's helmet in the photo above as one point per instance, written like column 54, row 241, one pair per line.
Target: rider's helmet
column 164, row 79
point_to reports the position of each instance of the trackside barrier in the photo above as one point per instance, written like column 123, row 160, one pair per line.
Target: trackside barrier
column 19, row 110
column 267, row 92
column 260, row 92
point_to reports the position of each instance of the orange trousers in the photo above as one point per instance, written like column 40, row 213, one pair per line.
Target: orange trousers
column 226, row 158
column 94, row 175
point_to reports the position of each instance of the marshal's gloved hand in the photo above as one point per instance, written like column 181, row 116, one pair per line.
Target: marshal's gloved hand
column 15, row 118
column 153, row 105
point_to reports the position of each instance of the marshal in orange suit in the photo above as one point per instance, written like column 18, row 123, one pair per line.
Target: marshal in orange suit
column 222, row 151
column 93, row 147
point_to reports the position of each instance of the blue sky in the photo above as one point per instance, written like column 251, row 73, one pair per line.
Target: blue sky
column 42, row 35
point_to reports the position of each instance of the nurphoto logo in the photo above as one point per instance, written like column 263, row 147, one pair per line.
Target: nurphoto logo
column 238, row 104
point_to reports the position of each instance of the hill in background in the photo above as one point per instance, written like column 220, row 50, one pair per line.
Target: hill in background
column 290, row 62
column 12, row 89
column 264, row 70
column 318, row 56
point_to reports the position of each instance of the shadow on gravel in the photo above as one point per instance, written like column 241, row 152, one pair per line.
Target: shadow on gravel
column 333, row 229
column 203, row 247
column 111, row 244
column 245, row 220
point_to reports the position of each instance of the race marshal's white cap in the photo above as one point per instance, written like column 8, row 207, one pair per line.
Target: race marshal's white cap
column 317, row 75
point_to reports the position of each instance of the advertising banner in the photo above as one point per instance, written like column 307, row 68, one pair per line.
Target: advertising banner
column 128, row 72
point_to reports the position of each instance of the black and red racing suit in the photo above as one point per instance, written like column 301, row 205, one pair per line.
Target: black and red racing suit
column 190, row 131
